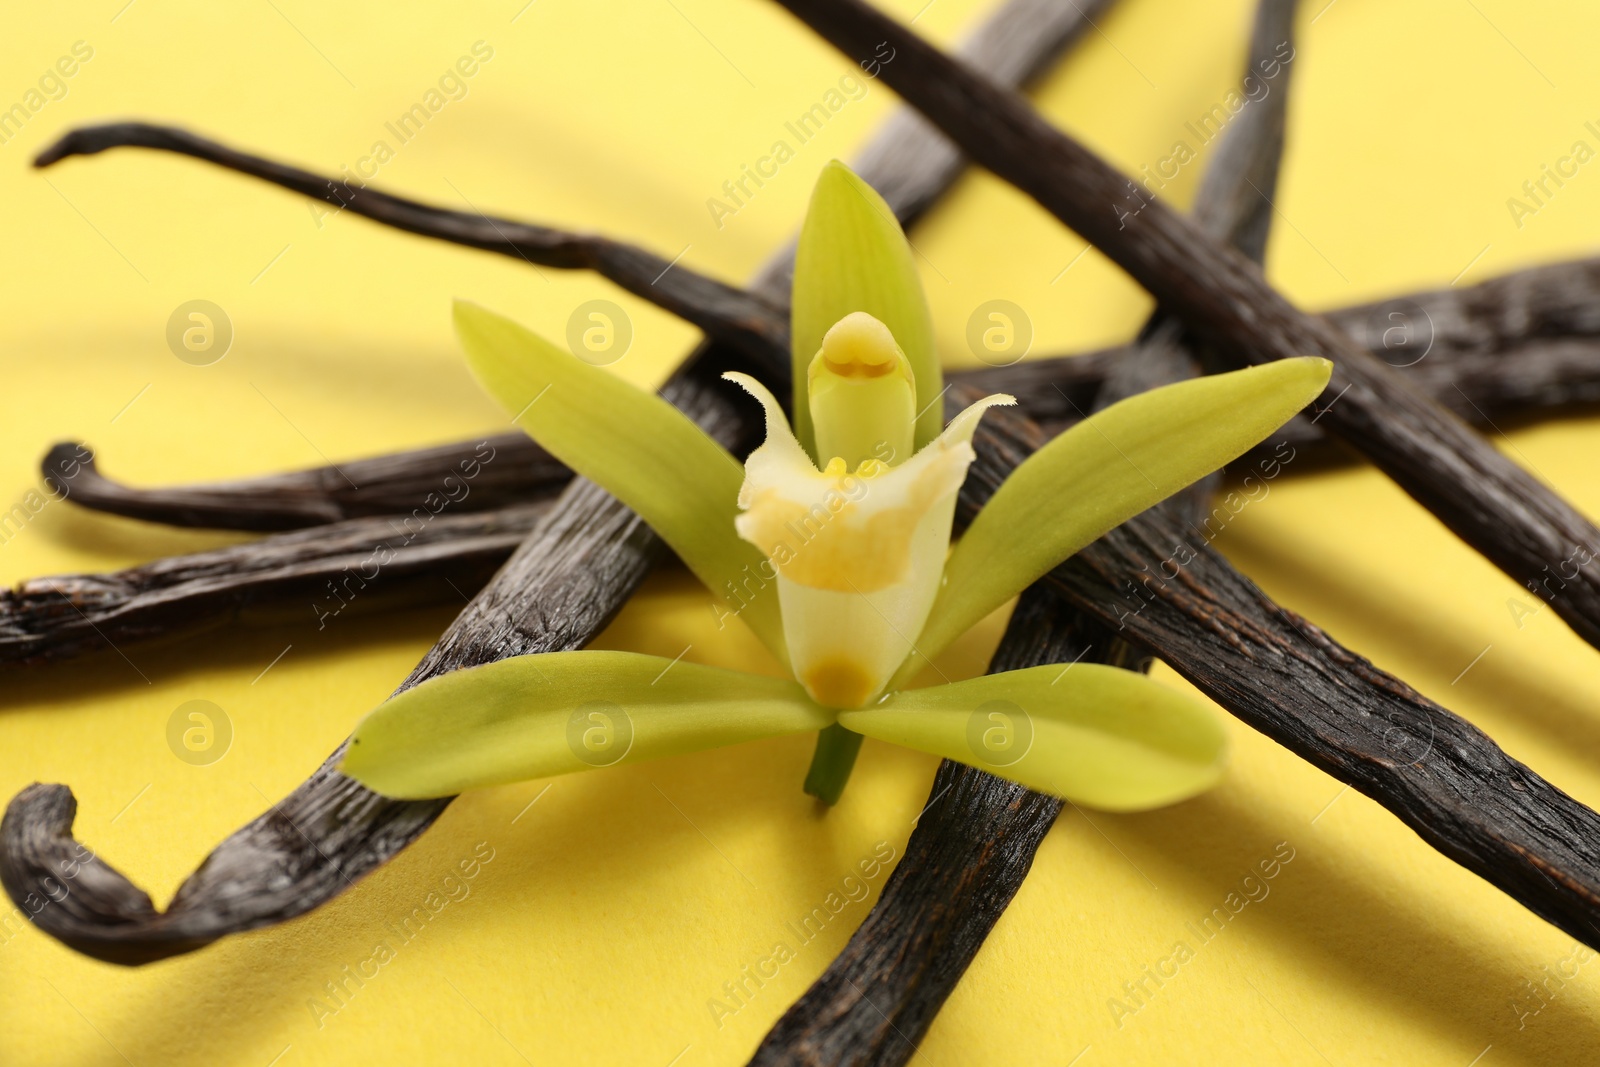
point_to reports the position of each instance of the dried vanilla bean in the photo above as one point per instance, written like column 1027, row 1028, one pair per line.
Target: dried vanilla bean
column 1441, row 775
column 740, row 318
column 1520, row 346
column 1520, row 525
column 970, row 851
column 484, row 474
column 316, row 574
column 361, row 831
column 565, row 581
column 975, row 840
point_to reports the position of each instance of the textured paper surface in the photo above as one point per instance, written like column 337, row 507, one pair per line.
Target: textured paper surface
column 608, row 910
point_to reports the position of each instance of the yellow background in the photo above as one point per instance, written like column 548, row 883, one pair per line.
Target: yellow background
column 617, row 905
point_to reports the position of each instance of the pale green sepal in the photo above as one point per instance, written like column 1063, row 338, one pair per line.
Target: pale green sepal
column 640, row 448
column 1101, row 736
column 536, row 716
column 1104, row 471
column 853, row 256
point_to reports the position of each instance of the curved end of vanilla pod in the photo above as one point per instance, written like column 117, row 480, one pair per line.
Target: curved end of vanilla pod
column 91, row 140
column 269, row 871
column 67, row 891
column 67, row 465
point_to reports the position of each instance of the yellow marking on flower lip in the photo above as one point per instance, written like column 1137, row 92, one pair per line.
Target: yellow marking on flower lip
column 839, row 683
column 858, row 369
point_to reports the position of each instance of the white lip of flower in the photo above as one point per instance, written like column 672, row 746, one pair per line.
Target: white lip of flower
column 859, row 555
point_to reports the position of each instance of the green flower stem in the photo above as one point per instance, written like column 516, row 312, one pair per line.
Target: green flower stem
column 832, row 763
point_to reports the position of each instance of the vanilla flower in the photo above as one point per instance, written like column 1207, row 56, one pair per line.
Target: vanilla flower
column 859, row 551
column 849, row 515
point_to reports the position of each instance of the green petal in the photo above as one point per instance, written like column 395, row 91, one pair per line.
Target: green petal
column 644, row 451
column 1104, row 471
column 536, row 716
column 1101, row 736
column 853, row 256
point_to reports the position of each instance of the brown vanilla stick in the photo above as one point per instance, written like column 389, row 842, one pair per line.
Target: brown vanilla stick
column 1520, row 346
column 558, row 590
column 320, row 574
column 403, row 822
column 1518, row 524
column 968, row 855
column 370, row 832
column 740, row 318
column 972, row 847
column 507, row 469
column 563, row 583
